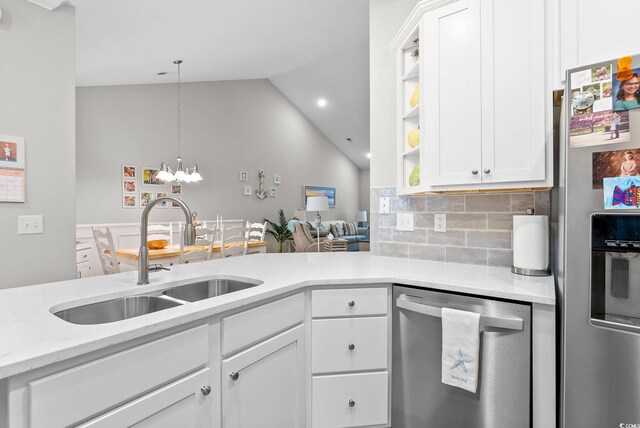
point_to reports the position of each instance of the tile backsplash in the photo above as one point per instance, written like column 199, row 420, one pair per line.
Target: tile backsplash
column 479, row 225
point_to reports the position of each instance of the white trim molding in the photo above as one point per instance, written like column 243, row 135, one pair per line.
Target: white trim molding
column 48, row 4
column 413, row 20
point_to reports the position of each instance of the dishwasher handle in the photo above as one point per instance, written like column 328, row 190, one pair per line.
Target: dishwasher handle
column 410, row 304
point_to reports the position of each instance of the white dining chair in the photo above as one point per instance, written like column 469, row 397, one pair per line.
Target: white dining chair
column 159, row 231
column 256, row 231
column 234, row 241
column 106, row 251
column 204, row 237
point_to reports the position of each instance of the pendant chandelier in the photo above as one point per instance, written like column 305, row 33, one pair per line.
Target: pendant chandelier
column 181, row 174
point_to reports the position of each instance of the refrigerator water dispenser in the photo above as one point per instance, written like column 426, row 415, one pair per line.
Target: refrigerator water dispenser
column 615, row 271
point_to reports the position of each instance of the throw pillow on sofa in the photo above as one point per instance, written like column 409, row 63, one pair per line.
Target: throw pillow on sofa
column 350, row 229
column 337, row 230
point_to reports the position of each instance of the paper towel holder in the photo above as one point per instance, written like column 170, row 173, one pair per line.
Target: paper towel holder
column 531, row 272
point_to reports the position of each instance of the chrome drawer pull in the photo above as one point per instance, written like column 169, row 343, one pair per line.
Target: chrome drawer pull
column 352, row 303
column 206, row 390
column 234, row 375
column 351, row 347
column 410, row 304
column 352, row 403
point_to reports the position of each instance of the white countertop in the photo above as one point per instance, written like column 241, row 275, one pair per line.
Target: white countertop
column 31, row 337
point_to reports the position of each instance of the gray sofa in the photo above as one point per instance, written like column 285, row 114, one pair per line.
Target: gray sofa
column 362, row 233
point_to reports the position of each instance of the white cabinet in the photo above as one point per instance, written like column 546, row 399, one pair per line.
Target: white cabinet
column 263, row 371
column 581, row 42
column 83, row 260
column 164, row 378
column 484, row 104
column 350, row 357
column 264, row 386
column 180, row 404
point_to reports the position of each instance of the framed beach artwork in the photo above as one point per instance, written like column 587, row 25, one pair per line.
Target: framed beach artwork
column 128, row 171
column 162, row 204
column 329, row 192
column 128, row 201
column 150, row 177
column 128, row 186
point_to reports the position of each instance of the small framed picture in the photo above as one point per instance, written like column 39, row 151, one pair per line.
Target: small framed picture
column 128, row 186
column 150, row 176
column 128, row 201
column 274, row 192
column 145, row 197
column 162, row 204
column 276, row 179
column 176, row 189
column 128, row 171
column 175, row 205
column 244, row 175
column 247, row 190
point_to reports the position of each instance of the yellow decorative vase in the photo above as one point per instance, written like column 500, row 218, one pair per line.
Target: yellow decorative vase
column 414, row 177
column 415, row 97
column 414, row 138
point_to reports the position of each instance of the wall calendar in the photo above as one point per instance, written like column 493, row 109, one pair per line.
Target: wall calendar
column 12, row 171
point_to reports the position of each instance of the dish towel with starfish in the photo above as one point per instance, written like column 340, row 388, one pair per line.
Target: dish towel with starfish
column 460, row 348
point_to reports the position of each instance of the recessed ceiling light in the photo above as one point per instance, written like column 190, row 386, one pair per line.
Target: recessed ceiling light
column 322, row 102
column 369, row 155
column 162, row 73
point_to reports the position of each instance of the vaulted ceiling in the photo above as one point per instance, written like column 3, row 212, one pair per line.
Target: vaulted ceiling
column 309, row 49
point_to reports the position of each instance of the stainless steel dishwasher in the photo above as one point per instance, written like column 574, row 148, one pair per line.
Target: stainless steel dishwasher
column 421, row 400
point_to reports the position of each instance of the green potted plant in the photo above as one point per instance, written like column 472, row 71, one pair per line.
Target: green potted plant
column 279, row 230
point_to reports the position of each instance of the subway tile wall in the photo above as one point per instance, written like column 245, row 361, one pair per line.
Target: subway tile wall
column 479, row 225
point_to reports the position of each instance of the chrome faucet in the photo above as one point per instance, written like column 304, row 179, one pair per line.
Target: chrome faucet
column 143, row 254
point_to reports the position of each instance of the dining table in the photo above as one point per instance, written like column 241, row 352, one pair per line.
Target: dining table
column 168, row 256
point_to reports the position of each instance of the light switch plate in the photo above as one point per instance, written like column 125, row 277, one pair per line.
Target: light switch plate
column 404, row 222
column 384, row 205
column 28, row 224
column 440, row 223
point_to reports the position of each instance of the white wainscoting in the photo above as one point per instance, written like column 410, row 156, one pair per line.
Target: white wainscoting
column 127, row 235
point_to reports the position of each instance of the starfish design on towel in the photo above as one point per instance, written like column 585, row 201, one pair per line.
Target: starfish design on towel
column 459, row 360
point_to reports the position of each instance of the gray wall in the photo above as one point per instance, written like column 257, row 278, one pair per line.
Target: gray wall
column 365, row 179
column 37, row 103
column 227, row 127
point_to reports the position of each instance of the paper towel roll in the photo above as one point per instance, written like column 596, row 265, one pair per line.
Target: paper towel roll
column 531, row 242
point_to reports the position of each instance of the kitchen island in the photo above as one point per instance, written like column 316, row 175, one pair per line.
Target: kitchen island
column 32, row 338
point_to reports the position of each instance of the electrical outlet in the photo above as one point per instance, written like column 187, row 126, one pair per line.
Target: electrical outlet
column 28, row 224
column 404, row 222
column 440, row 223
column 384, row 205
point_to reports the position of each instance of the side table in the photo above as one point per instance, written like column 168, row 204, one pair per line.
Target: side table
column 336, row 245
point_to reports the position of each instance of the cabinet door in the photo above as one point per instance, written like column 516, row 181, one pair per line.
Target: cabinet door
column 451, row 53
column 264, row 386
column 513, row 90
column 180, row 404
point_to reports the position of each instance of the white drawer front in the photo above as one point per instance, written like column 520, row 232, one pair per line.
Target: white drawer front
column 67, row 397
column 331, row 396
column 347, row 302
column 83, row 255
column 332, row 339
column 249, row 327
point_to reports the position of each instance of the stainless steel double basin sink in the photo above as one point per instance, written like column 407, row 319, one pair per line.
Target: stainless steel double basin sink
column 122, row 308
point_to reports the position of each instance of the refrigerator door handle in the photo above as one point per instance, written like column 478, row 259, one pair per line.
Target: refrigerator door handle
column 410, row 304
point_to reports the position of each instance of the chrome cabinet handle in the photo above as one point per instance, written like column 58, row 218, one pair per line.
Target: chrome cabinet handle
column 487, row 171
column 234, row 375
column 206, row 390
column 474, row 171
column 352, row 403
column 352, row 303
column 351, row 347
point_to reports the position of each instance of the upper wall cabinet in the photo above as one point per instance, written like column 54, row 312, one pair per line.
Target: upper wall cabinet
column 484, row 110
column 581, row 43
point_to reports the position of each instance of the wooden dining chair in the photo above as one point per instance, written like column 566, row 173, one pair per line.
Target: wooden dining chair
column 106, row 251
column 204, row 238
column 234, row 241
column 256, row 231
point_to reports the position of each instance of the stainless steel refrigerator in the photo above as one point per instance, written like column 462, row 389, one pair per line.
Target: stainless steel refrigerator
column 598, row 264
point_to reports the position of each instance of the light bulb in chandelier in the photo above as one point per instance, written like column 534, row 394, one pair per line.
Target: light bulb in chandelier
column 181, row 174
